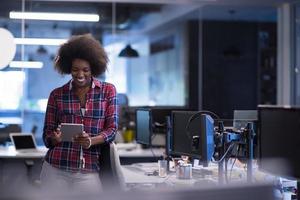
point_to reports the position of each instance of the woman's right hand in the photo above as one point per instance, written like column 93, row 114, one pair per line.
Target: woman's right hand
column 56, row 138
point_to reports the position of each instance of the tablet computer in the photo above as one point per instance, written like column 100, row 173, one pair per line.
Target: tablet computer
column 69, row 130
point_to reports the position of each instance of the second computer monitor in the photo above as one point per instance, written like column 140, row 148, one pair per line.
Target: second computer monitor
column 279, row 140
column 196, row 140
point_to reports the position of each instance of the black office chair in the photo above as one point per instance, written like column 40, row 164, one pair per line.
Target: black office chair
column 111, row 174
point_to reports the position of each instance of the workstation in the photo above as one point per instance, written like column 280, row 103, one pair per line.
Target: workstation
column 207, row 93
column 145, row 165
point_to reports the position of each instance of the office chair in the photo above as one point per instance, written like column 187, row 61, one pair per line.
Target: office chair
column 123, row 103
column 111, row 174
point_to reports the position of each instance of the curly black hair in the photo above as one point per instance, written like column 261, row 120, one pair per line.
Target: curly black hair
column 84, row 47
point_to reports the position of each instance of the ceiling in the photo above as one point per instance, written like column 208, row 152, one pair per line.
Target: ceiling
column 129, row 15
column 179, row 1
column 126, row 13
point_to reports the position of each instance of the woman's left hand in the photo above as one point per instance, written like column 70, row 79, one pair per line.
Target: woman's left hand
column 83, row 139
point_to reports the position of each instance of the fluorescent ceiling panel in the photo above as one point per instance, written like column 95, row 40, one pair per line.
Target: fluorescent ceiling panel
column 55, row 16
column 39, row 41
column 26, row 64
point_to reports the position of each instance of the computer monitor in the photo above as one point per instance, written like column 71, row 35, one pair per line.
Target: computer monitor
column 279, row 140
column 159, row 126
column 143, row 126
column 242, row 117
column 197, row 141
column 159, row 117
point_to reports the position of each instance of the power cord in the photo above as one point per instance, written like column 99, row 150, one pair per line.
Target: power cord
column 235, row 158
column 196, row 115
column 225, row 154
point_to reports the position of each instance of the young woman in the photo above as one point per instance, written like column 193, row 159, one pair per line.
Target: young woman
column 83, row 100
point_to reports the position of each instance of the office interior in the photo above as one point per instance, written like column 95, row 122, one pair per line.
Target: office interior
column 212, row 55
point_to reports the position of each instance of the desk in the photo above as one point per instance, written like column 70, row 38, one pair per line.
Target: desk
column 19, row 167
column 135, row 177
column 125, row 151
column 129, row 156
column 10, row 152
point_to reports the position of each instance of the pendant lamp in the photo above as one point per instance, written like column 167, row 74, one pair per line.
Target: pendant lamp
column 128, row 51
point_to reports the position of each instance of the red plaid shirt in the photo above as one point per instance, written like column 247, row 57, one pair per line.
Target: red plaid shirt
column 100, row 118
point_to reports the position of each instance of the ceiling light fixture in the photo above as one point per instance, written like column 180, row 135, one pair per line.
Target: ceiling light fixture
column 128, row 51
column 26, row 64
column 39, row 41
column 42, row 50
column 55, row 16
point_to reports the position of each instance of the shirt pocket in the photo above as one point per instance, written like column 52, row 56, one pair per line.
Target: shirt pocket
column 97, row 109
column 66, row 115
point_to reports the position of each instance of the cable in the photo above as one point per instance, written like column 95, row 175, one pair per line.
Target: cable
column 194, row 116
column 226, row 174
column 153, row 154
column 235, row 158
column 225, row 154
column 157, row 124
column 153, row 136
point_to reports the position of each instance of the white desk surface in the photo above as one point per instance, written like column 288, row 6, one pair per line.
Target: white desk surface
column 135, row 175
column 124, row 150
column 10, row 152
column 135, row 150
column 138, row 152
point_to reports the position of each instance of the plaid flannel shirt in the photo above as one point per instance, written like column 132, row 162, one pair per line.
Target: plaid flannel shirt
column 100, row 118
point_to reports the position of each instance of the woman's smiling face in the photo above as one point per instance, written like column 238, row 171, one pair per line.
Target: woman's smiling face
column 81, row 72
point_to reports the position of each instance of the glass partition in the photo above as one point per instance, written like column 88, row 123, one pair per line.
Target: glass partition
column 156, row 77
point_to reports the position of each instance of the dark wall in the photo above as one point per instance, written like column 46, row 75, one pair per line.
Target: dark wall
column 230, row 64
column 267, row 70
column 193, row 64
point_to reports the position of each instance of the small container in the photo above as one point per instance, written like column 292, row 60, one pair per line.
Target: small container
column 184, row 171
column 162, row 168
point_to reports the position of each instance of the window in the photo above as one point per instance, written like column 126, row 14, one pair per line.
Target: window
column 11, row 89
